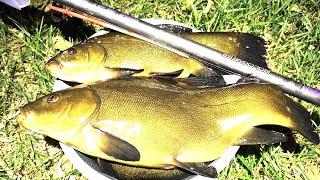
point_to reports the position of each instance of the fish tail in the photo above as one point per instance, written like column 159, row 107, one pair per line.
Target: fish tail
column 292, row 114
column 252, row 49
column 301, row 120
column 247, row 47
column 272, row 107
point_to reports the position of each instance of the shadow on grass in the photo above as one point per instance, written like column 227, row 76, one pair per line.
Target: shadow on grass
column 30, row 18
column 290, row 146
column 52, row 142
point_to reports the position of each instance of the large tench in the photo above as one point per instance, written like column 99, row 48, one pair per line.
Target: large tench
column 116, row 55
column 150, row 123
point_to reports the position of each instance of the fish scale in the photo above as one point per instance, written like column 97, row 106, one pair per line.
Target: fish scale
column 116, row 55
column 151, row 123
column 244, row 96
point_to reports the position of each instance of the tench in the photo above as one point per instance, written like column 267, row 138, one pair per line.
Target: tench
column 116, row 55
column 148, row 123
column 121, row 171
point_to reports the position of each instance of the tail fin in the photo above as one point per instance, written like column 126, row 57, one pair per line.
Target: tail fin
column 268, row 105
column 245, row 46
column 297, row 116
column 303, row 123
column 252, row 49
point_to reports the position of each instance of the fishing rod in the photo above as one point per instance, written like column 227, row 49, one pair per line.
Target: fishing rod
column 202, row 53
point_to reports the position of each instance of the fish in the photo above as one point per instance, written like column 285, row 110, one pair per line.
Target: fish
column 121, row 171
column 144, row 122
column 115, row 55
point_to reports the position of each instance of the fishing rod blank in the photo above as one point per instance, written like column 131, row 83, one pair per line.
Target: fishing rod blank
column 204, row 54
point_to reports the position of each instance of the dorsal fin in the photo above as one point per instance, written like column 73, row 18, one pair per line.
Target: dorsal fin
column 201, row 82
column 166, row 74
column 174, row 28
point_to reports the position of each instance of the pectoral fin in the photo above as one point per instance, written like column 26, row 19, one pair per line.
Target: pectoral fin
column 261, row 136
column 248, row 80
column 194, row 82
column 116, row 147
column 202, row 82
column 122, row 72
column 197, row 168
column 166, row 74
column 174, row 28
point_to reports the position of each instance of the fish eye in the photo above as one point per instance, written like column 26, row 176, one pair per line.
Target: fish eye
column 52, row 98
column 72, row 51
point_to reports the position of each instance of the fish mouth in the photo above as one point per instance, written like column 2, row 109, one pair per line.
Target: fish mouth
column 53, row 65
column 26, row 119
column 23, row 115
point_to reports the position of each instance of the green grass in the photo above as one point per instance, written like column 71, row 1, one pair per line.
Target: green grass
column 291, row 27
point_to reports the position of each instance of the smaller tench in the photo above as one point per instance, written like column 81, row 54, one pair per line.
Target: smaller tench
column 148, row 123
column 115, row 55
column 121, row 171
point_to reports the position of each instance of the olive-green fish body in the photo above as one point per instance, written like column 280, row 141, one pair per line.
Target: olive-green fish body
column 146, row 123
column 117, row 55
column 152, row 59
column 121, row 171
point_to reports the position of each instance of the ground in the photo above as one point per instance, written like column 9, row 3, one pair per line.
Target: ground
column 28, row 39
